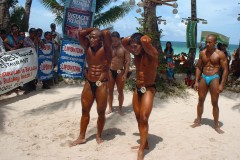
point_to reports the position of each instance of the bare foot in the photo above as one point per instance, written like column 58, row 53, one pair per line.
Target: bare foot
column 196, row 123
column 218, row 130
column 108, row 112
column 99, row 139
column 120, row 111
column 140, row 155
column 77, row 142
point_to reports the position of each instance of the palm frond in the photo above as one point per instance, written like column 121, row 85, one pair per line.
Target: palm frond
column 100, row 4
column 110, row 16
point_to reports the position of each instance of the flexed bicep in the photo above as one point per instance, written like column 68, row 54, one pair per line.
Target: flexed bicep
column 107, row 43
column 148, row 47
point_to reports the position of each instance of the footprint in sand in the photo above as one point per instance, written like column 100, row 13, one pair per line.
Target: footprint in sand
column 212, row 140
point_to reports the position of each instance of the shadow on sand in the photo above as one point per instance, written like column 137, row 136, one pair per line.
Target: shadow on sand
column 236, row 107
column 210, row 122
column 153, row 140
column 108, row 134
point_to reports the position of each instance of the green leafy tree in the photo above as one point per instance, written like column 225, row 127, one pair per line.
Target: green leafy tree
column 101, row 17
column 5, row 6
column 16, row 16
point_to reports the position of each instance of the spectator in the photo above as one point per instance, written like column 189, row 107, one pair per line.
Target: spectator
column 2, row 37
column 53, row 30
column 30, row 41
column 13, row 41
column 47, row 39
column 235, row 67
column 168, row 53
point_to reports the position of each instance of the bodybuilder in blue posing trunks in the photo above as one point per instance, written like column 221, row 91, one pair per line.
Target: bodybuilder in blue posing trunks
column 208, row 66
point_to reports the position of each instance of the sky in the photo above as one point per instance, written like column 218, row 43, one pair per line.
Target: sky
column 221, row 16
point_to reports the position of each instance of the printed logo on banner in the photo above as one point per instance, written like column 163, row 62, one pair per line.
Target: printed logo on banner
column 75, row 19
column 45, row 58
column 47, row 49
column 71, row 67
column 46, row 67
column 73, row 49
column 72, row 59
column 85, row 5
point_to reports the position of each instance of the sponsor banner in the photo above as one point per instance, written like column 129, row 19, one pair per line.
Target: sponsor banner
column 220, row 37
column 17, row 68
column 85, row 5
column 75, row 19
column 72, row 59
column 77, row 14
column 45, row 61
column 191, row 34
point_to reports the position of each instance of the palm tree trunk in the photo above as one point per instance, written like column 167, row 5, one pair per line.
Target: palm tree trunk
column 28, row 5
column 192, row 51
column 150, row 26
column 4, row 15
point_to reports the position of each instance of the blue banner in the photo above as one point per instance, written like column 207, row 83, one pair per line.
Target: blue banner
column 45, row 62
column 72, row 59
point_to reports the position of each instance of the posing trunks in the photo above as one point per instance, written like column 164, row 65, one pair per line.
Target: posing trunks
column 94, row 86
column 140, row 91
column 208, row 79
column 115, row 73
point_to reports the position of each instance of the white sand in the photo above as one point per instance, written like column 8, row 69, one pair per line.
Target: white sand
column 40, row 125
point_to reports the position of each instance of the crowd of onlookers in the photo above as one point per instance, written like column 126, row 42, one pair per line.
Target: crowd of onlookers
column 35, row 38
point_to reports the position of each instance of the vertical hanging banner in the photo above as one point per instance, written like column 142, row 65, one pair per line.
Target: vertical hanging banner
column 190, row 34
column 77, row 14
column 45, row 62
column 76, row 19
column 71, row 62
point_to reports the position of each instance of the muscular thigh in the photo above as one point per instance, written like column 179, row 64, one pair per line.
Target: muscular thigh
column 136, row 101
column 101, row 97
column 202, row 89
column 120, row 83
column 214, row 85
column 111, row 82
column 147, row 102
column 87, row 97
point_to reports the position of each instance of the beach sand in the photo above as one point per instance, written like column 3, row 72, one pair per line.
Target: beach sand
column 40, row 125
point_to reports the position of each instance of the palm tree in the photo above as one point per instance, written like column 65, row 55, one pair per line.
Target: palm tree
column 5, row 6
column 101, row 18
column 16, row 16
column 26, row 17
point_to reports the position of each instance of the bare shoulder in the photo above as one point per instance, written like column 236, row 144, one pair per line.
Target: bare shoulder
column 220, row 53
column 202, row 53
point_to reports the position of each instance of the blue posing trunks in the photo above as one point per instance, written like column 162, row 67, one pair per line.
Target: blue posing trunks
column 208, row 79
